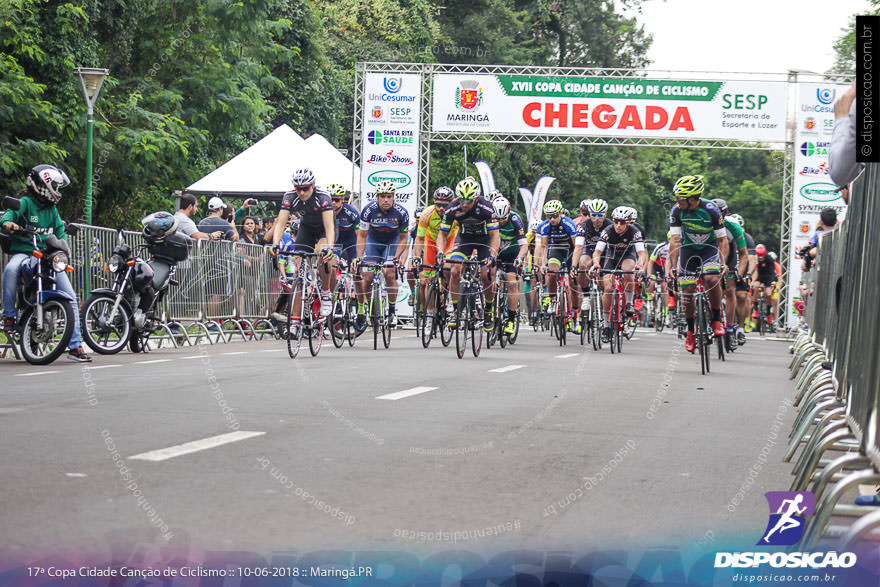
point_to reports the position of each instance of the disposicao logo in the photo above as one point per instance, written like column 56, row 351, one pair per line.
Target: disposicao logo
column 787, row 521
column 820, row 192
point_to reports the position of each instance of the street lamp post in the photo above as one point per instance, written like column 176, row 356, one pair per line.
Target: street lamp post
column 91, row 79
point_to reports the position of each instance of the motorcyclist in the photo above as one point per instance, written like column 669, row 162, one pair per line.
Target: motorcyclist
column 38, row 211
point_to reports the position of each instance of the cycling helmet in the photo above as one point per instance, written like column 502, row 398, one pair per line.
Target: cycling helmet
column 443, row 194
column 738, row 219
column 553, row 207
column 761, row 250
column 598, row 206
column 772, row 256
column 336, row 191
column 566, row 212
column 385, row 187
column 468, row 189
column 584, row 207
column 721, row 204
column 634, row 212
column 687, row 186
column 533, row 226
column 494, row 195
column 502, row 207
column 46, row 182
column 303, row 176
column 158, row 225
column 622, row 213
column 418, row 212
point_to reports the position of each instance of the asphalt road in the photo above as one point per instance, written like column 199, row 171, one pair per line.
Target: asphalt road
column 532, row 446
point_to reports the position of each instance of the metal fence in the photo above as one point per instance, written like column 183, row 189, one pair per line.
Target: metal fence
column 838, row 373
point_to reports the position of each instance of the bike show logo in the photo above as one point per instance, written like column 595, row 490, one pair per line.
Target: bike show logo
column 825, row 95
column 810, row 149
column 390, row 158
column 398, row 178
column 820, row 192
column 399, row 137
column 392, row 84
column 810, row 171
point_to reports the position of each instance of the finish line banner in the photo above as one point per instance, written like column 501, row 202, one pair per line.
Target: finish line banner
column 614, row 107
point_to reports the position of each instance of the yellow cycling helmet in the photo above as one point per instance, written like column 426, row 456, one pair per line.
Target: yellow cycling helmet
column 688, row 186
column 468, row 189
column 336, row 190
column 553, row 207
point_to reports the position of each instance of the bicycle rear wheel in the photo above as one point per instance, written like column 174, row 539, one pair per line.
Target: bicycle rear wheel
column 461, row 326
column 701, row 335
column 445, row 332
column 429, row 324
column 477, row 316
column 613, row 321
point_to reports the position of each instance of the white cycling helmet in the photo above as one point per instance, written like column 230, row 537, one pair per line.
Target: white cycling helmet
column 622, row 213
column 502, row 207
column 635, row 213
column 303, row 176
column 598, row 206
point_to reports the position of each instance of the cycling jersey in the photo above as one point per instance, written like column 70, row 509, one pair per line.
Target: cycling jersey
column 768, row 271
column 384, row 227
column 429, row 225
column 512, row 236
column 479, row 220
column 560, row 235
column 347, row 220
column 310, row 212
column 588, row 235
column 750, row 243
column 658, row 257
column 621, row 245
column 698, row 228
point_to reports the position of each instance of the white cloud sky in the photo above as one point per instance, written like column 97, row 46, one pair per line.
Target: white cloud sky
column 746, row 35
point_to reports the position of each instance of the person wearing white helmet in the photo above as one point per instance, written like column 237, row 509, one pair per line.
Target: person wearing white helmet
column 585, row 241
column 625, row 248
column 514, row 249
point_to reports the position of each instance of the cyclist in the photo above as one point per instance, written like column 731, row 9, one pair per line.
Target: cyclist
column 425, row 245
column 743, row 301
column 657, row 272
column 698, row 236
column 625, row 247
column 738, row 263
column 410, row 273
column 767, row 274
column 382, row 238
column 639, row 301
column 38, row 211
column 317, row 231
column 529, row 274
column 584, row 208
column 555, row 245
column 347, row 220
column 477, row 231
column 588, row 234
column 514, row 249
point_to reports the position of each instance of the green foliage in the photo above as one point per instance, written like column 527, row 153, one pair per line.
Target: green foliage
column 845, row 46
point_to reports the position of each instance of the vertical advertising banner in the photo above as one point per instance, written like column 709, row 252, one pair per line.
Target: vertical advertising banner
column 390, row 152
column 812, row 189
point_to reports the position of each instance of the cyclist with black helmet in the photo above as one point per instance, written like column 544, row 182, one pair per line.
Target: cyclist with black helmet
column 738, row 262
column 767, row 275
column 347, row 221
column 477, row 231
column 425, row 245
column 620, row 246
column 317, row 231
column 743, row 286
column 698, row 243
column 38, row 210
column 514, row 249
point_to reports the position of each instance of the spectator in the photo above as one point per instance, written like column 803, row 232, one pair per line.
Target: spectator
column 266, row 232
column 214, row 222
column 189, row 205
column 842, row 164
column 248, row 232
column 827, row 223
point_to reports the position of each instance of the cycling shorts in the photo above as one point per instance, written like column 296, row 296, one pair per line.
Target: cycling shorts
column 691, row 262
column 558, row 255
column 307, row 237
column 378, row 252
column 609, row 262
column 465, row 245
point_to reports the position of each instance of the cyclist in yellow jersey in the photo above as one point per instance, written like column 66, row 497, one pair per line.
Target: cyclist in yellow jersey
column 425, row 245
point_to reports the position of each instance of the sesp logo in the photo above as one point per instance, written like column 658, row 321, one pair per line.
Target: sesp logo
column 393, row 84
column 825, row 95
column 787, row 517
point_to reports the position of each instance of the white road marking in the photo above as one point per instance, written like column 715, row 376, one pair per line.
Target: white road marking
column 76, row 475
column 406, row 393
column 568, row 356
column 272, row 351
column 236, row 353
column 506, row 369
column 104, row 367
column 35, row 373
column 194, row 357
column 153, row 361
column 163, row 454
column 650, row 334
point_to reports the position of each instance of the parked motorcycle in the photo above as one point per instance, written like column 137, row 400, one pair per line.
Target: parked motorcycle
column 45, row 317
column 128, row 311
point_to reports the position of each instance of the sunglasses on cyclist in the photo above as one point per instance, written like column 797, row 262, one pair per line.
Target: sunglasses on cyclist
column 619, row 221
column 553, row 216
column 599, row 215
column 336, row 199
column 441, row 204
column 302, row 188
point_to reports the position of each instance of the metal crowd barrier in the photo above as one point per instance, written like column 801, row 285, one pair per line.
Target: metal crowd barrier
column 835, row 366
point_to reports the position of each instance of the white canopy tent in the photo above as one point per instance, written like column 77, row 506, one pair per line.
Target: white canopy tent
column 264, row 169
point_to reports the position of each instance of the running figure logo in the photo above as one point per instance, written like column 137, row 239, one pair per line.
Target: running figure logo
column 787, row 517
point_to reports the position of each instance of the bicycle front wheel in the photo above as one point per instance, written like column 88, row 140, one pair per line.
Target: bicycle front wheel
column 316, row 324
column 294, row 334
column 477, row 315
column 461, row 326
